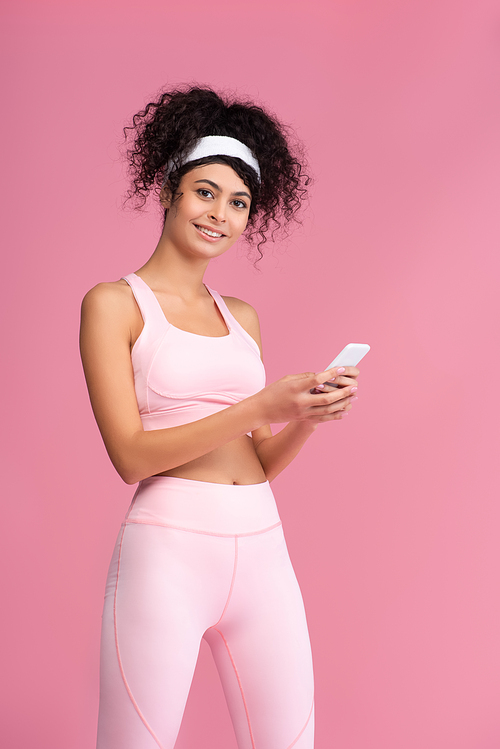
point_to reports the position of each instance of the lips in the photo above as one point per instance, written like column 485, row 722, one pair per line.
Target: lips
column 209, row 232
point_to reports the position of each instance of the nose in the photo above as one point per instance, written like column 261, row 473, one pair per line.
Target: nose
column 217, row 212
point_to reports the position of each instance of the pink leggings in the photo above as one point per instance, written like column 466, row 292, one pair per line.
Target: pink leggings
column 195, row 559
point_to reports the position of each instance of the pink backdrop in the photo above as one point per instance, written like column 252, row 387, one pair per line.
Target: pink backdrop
column 392, row 516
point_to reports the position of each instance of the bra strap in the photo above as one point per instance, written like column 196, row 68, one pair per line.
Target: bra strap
column 232, row 322
column 148, row 304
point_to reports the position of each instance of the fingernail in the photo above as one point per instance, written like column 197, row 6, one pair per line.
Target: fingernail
column 353, row 390
column 340, row 370
column 344, row 413
column 319, row 387
column 354, row 398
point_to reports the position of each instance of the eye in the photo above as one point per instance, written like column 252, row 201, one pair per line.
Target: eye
column 239, row 204
column 204, row 192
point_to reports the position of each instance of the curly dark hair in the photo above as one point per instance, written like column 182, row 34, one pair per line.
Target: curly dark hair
column 166, row 129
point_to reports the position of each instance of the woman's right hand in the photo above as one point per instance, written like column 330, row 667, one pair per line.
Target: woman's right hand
column 291, row 399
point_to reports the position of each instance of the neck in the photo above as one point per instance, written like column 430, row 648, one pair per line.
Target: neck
column 170, row 270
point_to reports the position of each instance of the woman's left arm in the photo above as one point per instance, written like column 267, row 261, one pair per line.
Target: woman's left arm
column 276, row 452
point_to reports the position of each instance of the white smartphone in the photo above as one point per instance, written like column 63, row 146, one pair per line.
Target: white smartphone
column 350, row 355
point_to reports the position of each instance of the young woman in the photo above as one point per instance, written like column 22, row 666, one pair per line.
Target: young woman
column 177, row 386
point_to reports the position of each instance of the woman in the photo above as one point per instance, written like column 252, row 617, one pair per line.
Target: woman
column 177, row 386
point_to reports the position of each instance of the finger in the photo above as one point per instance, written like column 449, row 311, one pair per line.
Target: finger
column 327, row 395
column 344, row 377
column 351, row 372
column 327, row 388
column 343, row 381
column 327, row 376
column 322, row 400
column 330, row 402
column 338, row 416
column 335, row 416
column 340, row 382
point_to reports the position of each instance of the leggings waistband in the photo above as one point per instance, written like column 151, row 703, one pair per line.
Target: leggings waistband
column 204, row 507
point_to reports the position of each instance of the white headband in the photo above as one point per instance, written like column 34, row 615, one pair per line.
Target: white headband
column 218, row 145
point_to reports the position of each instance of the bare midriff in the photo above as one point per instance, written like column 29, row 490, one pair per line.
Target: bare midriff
column 234, row 463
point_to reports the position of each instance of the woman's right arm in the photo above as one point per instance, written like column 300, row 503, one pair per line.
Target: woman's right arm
column 105, row 338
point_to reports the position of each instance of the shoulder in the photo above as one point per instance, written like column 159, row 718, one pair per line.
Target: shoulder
column 246, row 315
column 241, row 310
column 107, row 295
column 110, row 306
column 109, row 300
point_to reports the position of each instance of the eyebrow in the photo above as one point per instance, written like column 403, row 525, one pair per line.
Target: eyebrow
column 216, row 187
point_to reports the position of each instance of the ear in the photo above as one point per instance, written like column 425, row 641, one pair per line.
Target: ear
column 166, row 196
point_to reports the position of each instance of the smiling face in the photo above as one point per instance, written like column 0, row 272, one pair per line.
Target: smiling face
column 210, row 213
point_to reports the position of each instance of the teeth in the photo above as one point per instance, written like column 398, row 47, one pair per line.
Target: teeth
column 207, row 231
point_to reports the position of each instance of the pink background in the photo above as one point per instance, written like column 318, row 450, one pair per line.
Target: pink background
column 392, row 516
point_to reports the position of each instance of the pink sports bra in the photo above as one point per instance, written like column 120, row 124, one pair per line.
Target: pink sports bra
column 181, row 377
